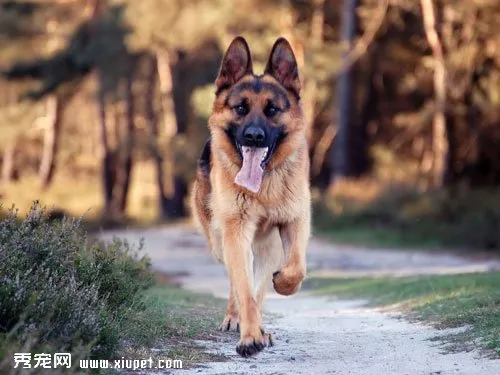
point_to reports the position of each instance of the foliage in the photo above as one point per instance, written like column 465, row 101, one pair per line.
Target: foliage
column 60, row 291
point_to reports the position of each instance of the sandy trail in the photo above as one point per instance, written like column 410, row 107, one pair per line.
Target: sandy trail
column 322, row 335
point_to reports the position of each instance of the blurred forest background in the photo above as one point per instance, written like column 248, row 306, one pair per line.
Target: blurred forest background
column 104, row 107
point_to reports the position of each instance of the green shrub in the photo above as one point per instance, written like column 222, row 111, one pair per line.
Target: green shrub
column 59, row 290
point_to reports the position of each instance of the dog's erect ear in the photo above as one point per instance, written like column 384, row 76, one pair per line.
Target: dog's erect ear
column 237, row 62
column 283, row 66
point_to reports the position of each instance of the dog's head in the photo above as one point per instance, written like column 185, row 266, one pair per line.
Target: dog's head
column 257, row 120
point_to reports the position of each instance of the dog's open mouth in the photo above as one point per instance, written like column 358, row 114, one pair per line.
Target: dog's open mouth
column 252, row 169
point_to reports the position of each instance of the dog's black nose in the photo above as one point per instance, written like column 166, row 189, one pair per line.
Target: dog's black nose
column 254, row 136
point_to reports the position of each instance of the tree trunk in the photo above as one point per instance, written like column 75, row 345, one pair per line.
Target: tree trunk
column 166, row 92
column 169, row 120
column 93, row 10
column 439, row 135
column 171, row 206
column 173, row 187
column 152, row 121
column 53, row 118
column 449, row 174
column 126, row 145
column 367, row 112
column 107, row 157
column 315, row 43
column 341, row 150
column 8, row 164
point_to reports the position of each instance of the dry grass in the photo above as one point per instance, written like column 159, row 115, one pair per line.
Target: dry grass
column 82, row 195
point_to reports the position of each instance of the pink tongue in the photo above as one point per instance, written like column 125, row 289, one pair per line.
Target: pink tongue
column 250, row 174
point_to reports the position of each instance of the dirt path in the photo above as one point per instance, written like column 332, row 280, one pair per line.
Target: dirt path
column 319, row 335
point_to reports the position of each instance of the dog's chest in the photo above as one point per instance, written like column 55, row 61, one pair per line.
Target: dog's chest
column 285, row 211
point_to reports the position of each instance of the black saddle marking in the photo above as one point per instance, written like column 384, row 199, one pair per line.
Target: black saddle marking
column 204, row 161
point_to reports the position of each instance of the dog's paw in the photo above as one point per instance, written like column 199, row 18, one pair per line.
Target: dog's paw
column 288, row 280
column 249, row 345
column 230, row 323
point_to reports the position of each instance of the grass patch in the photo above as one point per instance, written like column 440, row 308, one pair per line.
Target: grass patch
column 344, row 231
column 447, row 301
column 172, row 319
column 61, row 292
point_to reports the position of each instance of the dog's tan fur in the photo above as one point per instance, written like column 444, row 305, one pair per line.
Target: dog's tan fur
column 259, row 234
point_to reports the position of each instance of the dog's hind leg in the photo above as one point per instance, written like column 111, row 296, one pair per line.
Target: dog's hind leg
column 231, row 320
column 201, row 195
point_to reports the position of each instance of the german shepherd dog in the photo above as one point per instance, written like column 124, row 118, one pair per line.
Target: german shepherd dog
column 251, row 196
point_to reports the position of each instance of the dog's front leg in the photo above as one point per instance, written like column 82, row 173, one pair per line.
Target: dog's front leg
column 295, row 236
column 237, row 237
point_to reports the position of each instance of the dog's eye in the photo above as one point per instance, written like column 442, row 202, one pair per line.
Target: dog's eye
column 241, row 110
column 271, row 110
